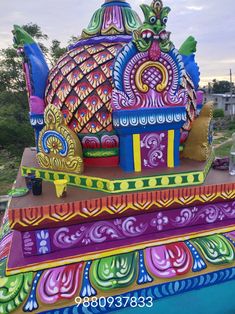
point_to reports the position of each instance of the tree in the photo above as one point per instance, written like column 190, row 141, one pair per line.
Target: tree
column 56, row 51
column 73, row 40
column 15, row 129
column 218, row 113
column 11, row 76
column 35, row 31
column 221, row 87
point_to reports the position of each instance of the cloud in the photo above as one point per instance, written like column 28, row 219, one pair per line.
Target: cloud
column 227, row 61
column 12, row 16
column 213, row 26
column 194, row 8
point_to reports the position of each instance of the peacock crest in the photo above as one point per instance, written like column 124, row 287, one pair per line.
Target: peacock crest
column 157, row 5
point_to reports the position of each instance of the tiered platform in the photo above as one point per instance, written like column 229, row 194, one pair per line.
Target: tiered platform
column 116, row 118
column 156, row 243
column 115, row 180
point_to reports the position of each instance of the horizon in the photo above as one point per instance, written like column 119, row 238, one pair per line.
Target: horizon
column 212, row 27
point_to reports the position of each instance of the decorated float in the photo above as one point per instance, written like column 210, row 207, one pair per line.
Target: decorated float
column 121, row 120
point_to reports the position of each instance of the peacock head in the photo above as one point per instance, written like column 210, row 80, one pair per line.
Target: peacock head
column 21, row 37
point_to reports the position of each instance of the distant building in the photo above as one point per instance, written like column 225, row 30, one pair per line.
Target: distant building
column 222, row 101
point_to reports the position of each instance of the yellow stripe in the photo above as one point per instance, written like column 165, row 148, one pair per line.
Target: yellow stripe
column 137, row 152
column 110, row 183
column 170, row 149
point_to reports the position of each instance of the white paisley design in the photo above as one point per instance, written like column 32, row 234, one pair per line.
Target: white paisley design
column 159, row 222
column 153, row 142
column 43, row 236
column 210, row 214
column 99, row 232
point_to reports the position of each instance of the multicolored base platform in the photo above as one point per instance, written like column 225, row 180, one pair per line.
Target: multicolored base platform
column 150, row 275
column 95, row 252
column 115, row 180
column 114, row 118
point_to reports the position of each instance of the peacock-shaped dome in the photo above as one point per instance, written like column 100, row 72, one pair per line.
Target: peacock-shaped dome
column 80, row 84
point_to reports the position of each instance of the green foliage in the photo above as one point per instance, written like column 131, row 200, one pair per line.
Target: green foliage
column 218, row 113
column 35, row 31
column 221, row 87
column 15, row 129
column 223, row 150
column 56, row 51
column 16, row 132
column 11, row 74
column 73, row 40
column 232, row 125
column 9, row 166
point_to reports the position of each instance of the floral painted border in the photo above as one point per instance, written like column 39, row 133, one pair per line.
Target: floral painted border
column 45, row 241
column 175, row 265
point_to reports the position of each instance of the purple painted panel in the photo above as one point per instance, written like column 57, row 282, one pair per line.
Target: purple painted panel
column 17, row 260
column 154, row 150
column 101, row 39
column 116, row 21
column 131, row 229
column 36, row 104
column 43, row 242
column 200, row 95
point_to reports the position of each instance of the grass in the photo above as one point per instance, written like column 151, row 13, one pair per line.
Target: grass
column 223, row 142
column 9, row 166
column 223, row 150
column 222, row 136
column 220, row 140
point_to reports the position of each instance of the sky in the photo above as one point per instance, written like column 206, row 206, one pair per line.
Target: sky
column 211, row 22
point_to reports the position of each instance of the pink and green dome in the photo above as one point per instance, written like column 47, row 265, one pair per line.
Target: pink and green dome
column 113, row 18
column 81, row 82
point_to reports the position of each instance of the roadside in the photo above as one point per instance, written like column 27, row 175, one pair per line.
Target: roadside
column 222, row 142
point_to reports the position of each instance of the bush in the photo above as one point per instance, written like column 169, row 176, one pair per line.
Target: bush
column 231, row 125
column 16, row 132
column 15, row 136
column 218, row 113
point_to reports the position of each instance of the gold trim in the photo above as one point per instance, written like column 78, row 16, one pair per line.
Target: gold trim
column 144, row 88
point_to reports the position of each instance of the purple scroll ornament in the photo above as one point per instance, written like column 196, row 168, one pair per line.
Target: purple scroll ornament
column 42, row 242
